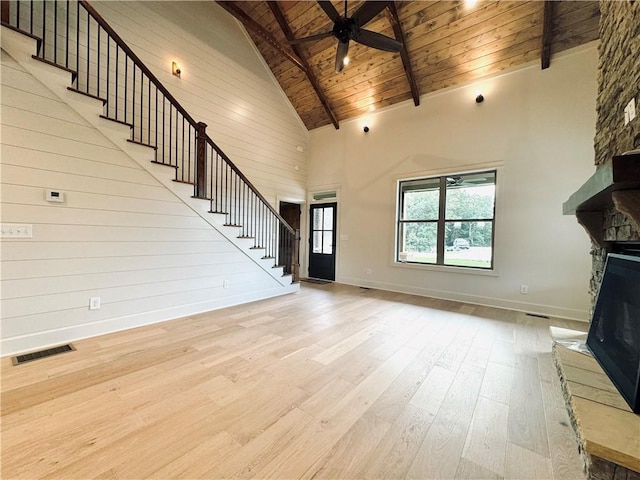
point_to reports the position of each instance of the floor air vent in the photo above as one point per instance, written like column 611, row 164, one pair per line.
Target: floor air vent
column 29, row 357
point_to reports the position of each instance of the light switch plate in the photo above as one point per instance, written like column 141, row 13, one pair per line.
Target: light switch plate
column 17, row 230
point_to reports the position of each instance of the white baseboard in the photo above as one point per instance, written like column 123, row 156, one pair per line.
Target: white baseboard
column 534, row 308
column 45, row 339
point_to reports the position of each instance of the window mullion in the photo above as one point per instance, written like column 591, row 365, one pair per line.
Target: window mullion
column 441, row 221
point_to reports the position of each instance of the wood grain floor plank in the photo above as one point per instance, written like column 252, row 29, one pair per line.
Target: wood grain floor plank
column 497, row 383
column 527, row 425
column 441, row 449
column 335, row 382
column 353, row 452
column 523, row 464
column 467, row 470
column 487, row 438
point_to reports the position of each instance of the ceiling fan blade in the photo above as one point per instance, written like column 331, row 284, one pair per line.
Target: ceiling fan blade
column 379, row 41
column 310, row 38
column 330, row 10
column 367, row 11
column 343, row 49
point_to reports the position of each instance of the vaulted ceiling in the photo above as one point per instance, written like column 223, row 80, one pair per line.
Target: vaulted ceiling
column 445, row 43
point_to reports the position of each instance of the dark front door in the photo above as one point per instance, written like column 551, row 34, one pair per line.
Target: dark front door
column 291, row 214
column 322, row 242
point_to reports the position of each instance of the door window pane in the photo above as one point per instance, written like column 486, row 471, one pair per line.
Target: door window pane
column 316, row 246
column 328, row 219
column 317, row 219
column 327, row 243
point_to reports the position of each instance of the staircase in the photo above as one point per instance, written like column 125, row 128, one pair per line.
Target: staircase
column 72, row 49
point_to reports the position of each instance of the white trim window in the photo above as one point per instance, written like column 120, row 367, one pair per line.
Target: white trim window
column 447, row 220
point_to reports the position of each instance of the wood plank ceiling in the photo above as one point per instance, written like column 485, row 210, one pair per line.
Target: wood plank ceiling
column 446, row 43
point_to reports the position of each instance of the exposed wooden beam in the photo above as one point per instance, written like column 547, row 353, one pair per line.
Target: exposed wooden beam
column 547, row 33
column 255, row 27
column 392, row 14
column 282, row 21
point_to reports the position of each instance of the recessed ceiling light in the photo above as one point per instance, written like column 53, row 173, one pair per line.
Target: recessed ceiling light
column 470, row 3
column 346, row 60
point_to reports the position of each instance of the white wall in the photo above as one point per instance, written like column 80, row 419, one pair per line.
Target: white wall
column 120, row 235
column 537, row 125
column 224, row 83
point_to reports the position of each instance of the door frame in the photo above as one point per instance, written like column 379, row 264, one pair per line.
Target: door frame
column 322, row 260
column 307, row 228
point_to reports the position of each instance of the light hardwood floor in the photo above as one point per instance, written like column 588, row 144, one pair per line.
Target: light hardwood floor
column 333, row 382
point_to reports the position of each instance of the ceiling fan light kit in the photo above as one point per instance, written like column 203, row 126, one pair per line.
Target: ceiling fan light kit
column 347, row 28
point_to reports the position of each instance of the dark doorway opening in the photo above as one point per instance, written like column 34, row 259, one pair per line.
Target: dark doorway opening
column 291, row 214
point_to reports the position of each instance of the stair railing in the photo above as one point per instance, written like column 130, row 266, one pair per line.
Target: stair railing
column 72, row 35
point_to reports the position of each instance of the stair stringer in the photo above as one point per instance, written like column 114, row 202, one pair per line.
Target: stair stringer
column 21, row 47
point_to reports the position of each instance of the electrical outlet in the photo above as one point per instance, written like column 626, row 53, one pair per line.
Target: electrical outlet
column 524, row 289
column 368, row 271
column 94, row 303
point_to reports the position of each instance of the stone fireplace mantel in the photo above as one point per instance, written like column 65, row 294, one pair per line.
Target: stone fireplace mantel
column 614, row 184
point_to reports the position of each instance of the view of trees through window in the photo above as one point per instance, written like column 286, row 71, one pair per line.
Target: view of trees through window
column 456, row 212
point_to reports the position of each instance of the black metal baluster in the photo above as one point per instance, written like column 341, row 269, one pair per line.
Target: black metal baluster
column 189, row 159
column 176, row 143
column 108, row 71
column 78, row 46
column 170, row 128
column 55, row 32
column 163, row 123
column 117, row 93
column 149, row 111
column 133, row 104
column 66, row 50
column 98, row 62
column 44, row 29
column 156, row 126
column 141, row 104
column 182, row 153
column 126, row 84
column 88, row 48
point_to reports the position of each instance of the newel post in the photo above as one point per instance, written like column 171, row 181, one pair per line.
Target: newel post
column 201, row 160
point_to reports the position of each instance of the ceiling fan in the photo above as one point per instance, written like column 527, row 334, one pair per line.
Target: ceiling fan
column 347, row 28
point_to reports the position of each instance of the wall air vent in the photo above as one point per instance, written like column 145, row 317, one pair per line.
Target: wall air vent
column 29, row 357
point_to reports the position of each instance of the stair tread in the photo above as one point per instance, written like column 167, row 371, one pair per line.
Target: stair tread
column 95, row 97
column 53, row 64
column 165, row 165
column 121, row 122
column 142, row 144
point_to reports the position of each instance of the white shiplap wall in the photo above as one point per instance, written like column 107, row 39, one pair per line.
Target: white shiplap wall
column 224, row 83
column 120, row 235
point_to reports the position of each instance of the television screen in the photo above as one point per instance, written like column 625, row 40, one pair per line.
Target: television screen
column 614, row 334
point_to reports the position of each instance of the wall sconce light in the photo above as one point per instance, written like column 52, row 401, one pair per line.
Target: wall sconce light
column 366, row 129
column 479, row 98
column 175, row 69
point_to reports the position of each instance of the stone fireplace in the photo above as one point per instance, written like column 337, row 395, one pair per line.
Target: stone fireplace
column 608, row 205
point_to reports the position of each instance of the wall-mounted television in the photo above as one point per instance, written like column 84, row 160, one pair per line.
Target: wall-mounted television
column 614, row 334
